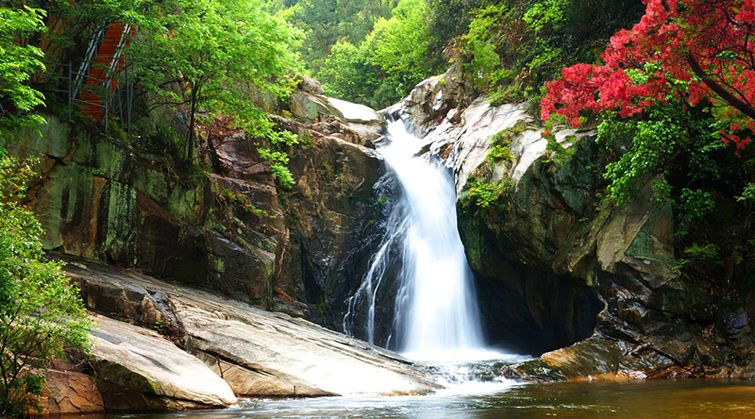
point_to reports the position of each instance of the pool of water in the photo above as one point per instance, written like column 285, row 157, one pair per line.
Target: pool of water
column 655, row 399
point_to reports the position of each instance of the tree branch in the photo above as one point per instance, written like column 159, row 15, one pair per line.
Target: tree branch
column 720, row 90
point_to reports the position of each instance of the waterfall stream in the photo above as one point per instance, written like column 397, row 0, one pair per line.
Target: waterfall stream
column 436, row 316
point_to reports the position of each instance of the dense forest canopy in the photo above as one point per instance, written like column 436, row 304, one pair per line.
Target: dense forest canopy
column 508, row 48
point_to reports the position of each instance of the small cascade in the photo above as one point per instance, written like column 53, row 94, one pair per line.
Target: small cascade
column 436, row 316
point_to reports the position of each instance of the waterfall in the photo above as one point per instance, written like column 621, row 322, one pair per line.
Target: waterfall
column 436, row 315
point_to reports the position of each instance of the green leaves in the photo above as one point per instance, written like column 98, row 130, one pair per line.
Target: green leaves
column 217, row 58
column 679, row 148
column 390, row 61
column 328, row 22
column 545, row 13
column 40, row 310
column 19, row 61
column 279, row 166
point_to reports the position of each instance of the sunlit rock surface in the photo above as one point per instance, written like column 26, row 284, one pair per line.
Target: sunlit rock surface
column 259, row 353
column 311, row 105
column 138, row 369
column 459, row 131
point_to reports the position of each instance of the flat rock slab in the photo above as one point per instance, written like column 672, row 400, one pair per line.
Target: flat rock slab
column 145, row 364
column 259, row 353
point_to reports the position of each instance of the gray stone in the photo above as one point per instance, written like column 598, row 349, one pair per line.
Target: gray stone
column 144, row 365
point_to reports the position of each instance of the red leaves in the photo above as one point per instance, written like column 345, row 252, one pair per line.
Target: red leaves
column 709, row 45
column 747, row 12
column 579, row 84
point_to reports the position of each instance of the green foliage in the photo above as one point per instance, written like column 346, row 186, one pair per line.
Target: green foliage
column 480, row 194
column 694, row 205
column 19, row 61
column 40, row 311
column 349, row 73
column 707, row 251
column 483, row 194
column 390, row 61
column 679, row 148
column 279, row 166
column 748, row 194
column 500, row 149
column 245, row 204
column 480, row 47
column 548, row 13
column 226, row 58
column 328, row 22
column 512, row 47
column 449, row 19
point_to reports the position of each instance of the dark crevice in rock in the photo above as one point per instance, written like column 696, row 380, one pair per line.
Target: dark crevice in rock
column 533, row 312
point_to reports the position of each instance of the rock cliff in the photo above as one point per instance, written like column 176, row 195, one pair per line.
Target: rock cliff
column 557, row 266
column 225, row 227
column 222, row 224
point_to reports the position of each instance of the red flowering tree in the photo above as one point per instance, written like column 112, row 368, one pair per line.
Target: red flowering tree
column 696, row 50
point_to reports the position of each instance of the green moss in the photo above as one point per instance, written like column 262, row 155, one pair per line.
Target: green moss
column 243, row 202
column 483, row 194
column 500, row 149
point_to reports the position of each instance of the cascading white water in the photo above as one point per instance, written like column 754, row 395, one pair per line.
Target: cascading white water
column 436, row 312
column 442, row 318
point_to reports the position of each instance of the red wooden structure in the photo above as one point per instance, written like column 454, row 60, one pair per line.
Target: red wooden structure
column 100, row 81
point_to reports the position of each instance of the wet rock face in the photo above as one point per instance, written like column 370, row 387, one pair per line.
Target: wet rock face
column 513, row 245
column 230, row 228
column 334, row 213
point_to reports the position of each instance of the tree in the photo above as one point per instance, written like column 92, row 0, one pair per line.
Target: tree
column 348, row 73
column 390, row 61
column 697, row 50
column 512, row 47
column 326, row 22
column 447, row 20
column 19, row 61
column 40, row 310
column 222, row 57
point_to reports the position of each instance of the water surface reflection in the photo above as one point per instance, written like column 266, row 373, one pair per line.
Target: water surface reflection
column 658, row 399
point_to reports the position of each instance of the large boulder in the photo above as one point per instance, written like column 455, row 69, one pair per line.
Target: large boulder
column 258, row 353
column 139, row 370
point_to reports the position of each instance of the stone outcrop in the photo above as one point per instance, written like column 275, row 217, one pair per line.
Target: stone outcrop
column 258, row 353
column 556, row 266
column 70, row 392
column 139, row 370
column 223, row 223
column 335, row 116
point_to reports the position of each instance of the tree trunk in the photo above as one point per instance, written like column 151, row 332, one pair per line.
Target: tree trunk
column 192, row 116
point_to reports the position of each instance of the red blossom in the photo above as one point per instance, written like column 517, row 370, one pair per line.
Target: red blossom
column 708, row 43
